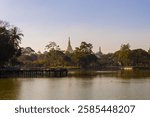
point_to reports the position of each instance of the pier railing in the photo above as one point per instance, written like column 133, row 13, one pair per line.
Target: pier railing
column 53, row 72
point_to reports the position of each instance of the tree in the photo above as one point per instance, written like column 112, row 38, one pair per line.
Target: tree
column 139, row 57
column 27, row 51
column 28, row 57
column 122, row 56
column 52, row 46
column 83, row 56
column 10, row 38
column 85, row 48
column 15, row 37
column 149, row 51
column 107, row 60
column 55, row 58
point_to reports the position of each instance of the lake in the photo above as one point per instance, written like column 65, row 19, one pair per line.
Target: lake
column 80, row 86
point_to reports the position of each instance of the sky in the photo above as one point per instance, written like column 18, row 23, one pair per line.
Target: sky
column 105, row 23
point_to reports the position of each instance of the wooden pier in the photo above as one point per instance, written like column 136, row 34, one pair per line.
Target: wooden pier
column 33, row 73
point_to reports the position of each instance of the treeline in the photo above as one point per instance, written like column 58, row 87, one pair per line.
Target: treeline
column 83, row 57
column 11, row 54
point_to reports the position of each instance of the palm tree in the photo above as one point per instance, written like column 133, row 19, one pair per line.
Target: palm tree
column 15, row 37
column 14, row 40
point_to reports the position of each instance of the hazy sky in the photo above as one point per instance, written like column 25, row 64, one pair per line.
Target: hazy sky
column 105, row 23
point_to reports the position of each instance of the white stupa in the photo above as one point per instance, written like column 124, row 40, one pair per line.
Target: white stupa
column 69, row 48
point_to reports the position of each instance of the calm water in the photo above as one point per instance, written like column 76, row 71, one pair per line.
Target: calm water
column 100, row 85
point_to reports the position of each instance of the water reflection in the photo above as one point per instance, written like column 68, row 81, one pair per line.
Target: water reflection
column 88, row 85
column 129, row 74
column 9, row 88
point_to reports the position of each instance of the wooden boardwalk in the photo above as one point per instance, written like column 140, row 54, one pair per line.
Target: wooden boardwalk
column 61, row 72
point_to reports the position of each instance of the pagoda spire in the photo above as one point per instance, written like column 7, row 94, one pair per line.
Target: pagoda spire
column 69, row 48
column 69, row 44
column 100, row 51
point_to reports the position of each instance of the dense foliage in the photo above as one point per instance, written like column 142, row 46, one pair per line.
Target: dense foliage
column 10, row 38
column 83, row 57
column 136, row 57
